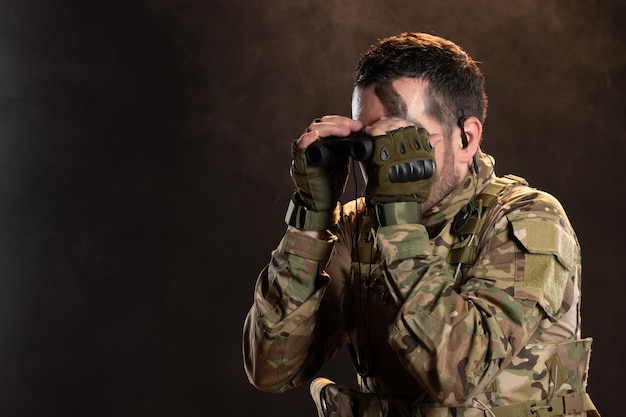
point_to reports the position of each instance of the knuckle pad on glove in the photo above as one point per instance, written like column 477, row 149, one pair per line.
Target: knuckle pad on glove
column 402, row 164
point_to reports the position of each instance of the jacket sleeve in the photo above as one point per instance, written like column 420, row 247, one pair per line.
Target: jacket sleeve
column 456, row 342
column 292, row 329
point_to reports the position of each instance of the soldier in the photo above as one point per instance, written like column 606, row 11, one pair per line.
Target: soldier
column 456, row 291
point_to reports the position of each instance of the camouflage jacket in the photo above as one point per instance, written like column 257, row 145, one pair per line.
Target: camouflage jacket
column 507, row 334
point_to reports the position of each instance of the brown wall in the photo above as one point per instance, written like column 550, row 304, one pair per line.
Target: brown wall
column 144, row 177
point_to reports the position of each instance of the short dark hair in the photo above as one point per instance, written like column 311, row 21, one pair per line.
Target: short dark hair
column 455, row 84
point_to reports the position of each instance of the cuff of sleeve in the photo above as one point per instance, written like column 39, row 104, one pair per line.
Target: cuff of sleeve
column 297, row 243
column 403, row 241
column 403, row 212
column 304, row 219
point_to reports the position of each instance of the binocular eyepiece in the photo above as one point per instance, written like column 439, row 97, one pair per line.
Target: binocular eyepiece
column 328, row 150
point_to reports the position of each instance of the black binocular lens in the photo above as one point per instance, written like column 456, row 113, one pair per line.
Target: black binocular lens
column 333, row 149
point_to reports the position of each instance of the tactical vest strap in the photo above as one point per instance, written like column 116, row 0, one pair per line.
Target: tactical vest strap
column 463, row 254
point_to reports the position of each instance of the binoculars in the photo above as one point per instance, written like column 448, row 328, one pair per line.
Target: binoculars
column 331, row 149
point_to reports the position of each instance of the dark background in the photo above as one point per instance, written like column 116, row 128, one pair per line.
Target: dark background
column 144, row 178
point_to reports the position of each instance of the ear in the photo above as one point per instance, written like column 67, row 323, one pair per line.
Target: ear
column 473, row 131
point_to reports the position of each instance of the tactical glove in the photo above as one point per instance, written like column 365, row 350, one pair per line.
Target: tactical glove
column 314, row 204
column 400, row 175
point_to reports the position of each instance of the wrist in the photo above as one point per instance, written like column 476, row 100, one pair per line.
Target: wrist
column 402, row 212
column 304, row 219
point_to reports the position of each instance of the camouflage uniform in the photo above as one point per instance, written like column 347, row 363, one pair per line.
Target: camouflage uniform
column 503, row 341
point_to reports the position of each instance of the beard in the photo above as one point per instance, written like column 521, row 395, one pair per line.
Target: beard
column 446, row 179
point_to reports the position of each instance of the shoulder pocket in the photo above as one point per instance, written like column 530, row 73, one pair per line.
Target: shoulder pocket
column 550, row 254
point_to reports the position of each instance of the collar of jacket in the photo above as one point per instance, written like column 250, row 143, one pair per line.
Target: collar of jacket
column 442, row 212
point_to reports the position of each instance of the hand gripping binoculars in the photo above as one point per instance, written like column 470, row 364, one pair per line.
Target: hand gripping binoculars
column 403, row 159
column 331, row 149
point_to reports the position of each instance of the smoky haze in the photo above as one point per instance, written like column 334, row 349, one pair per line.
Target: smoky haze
column 144, row 157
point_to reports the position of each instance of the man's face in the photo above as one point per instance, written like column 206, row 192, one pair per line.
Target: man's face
column 405, row 98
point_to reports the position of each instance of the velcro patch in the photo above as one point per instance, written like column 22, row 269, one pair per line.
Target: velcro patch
column 550, row 257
